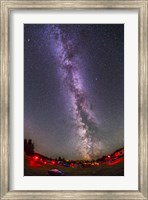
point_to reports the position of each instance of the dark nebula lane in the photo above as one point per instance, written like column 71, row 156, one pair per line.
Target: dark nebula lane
column 64, row 50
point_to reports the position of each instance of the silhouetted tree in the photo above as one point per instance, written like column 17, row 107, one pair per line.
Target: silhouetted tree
column 60, row 159
column 28, row 147
column 63, row 159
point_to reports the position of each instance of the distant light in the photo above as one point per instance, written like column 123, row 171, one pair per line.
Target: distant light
column 45, row 162
column 36, row 157
column 53, row 162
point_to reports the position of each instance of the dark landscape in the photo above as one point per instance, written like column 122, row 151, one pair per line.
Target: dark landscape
column 36, row 164
column 102, row 170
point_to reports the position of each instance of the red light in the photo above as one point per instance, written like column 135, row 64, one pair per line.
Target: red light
column 36, row 157
column 53, row 162
column 32, row 163
column 45, row 162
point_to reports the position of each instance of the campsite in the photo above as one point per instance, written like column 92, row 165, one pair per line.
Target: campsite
column 116, row 168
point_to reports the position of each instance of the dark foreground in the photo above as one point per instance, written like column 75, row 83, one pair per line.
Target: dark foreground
column 114, row 169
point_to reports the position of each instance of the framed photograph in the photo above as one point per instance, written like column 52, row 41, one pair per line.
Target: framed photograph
column 74, row 99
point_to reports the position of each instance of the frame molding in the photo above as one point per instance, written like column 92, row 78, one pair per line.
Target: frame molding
column 6, row 7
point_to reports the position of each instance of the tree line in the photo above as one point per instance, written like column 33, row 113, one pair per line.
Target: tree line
column 28, row 147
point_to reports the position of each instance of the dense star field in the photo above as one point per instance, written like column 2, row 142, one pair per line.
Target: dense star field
column 74, row 89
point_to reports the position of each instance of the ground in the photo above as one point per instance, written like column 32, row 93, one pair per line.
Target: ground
column 115, row 169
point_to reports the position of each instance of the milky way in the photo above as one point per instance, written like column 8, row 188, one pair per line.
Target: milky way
column 61, row 44
column 65, row 51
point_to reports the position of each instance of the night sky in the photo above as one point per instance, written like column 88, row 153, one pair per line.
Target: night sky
column 74, row 89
